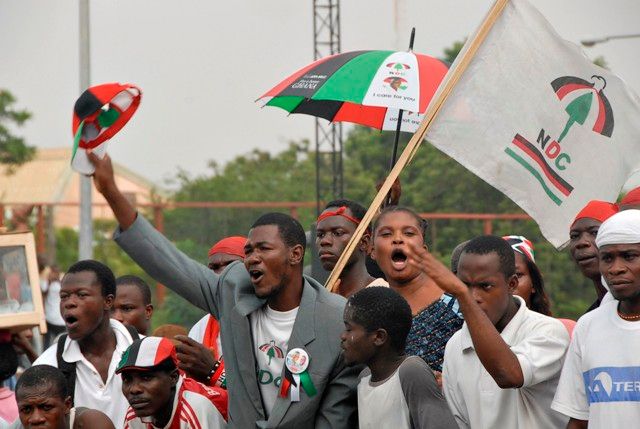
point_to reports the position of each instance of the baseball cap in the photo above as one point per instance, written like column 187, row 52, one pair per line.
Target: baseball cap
column 146, row 353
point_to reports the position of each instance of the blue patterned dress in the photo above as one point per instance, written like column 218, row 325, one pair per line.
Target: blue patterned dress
column 431, row 329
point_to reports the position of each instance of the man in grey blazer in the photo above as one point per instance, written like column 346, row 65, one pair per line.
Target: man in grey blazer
column 266, row 309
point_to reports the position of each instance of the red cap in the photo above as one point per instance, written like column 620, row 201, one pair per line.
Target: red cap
column 598, row 210
column 230, row 245
column 632, row 197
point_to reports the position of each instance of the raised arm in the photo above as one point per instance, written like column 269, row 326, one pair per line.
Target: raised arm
column 105, row 183
column 151, row 250
column 494, row 354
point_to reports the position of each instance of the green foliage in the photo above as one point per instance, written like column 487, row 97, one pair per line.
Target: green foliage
column 13, row 150
column 451, row 53
column 256, row 177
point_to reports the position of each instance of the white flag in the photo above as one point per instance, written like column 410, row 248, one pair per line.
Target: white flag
column 536, row 119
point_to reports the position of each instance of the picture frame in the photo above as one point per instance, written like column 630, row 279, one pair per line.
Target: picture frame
column 21, row 305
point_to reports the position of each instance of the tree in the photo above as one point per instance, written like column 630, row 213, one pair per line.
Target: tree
column 13, row 149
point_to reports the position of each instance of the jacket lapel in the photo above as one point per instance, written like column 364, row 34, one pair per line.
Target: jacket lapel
column 243, row 341
column 304, row 331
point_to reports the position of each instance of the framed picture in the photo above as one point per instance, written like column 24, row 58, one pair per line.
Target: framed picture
column 20, row 296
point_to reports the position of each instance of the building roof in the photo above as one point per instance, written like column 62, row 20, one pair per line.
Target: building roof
column 46, row 177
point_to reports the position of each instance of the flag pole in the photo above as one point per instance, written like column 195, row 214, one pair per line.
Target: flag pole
column 452, row 78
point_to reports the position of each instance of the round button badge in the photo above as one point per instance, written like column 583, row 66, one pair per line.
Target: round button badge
column 297, row 361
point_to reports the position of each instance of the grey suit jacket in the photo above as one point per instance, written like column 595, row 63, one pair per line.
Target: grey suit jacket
column 230, row 298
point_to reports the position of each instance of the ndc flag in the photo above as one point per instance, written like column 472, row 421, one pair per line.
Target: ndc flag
column 536, row 119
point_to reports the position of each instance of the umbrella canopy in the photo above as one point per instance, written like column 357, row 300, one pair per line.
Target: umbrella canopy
column 363, row 87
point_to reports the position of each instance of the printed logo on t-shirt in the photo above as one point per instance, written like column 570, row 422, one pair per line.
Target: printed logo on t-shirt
column 612, row 384
column 271, row 350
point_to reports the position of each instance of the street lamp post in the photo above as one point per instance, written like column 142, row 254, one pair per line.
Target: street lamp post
column 85, row 234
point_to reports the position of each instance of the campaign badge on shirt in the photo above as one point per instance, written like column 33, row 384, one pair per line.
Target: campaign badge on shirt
column 296, row 375
column 297, row 361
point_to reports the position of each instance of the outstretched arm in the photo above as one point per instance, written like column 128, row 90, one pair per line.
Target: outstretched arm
column 151, row 250
column 105, row 183
column 496, row 355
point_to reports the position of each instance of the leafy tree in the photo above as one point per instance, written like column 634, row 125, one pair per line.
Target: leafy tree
column 13, row 150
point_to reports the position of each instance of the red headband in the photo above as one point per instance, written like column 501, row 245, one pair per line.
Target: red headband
column 338, row 212
column 598, row 210
column 229, row 245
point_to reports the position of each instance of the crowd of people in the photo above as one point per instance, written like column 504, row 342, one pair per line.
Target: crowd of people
column 403, row 342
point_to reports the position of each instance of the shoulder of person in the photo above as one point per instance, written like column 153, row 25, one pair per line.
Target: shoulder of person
column 541, row 324
column 198, row 329
column 122, row 331
column 366, row 372
column 48, row 357
column 87, row 418
column 206, row 399
column 413, row 369
column 599, row 313
column 454, row 345
column 332, row 300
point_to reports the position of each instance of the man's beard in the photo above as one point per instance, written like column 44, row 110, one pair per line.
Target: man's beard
column 275, row 291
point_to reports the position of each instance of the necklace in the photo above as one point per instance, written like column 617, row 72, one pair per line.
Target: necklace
column 634, row 317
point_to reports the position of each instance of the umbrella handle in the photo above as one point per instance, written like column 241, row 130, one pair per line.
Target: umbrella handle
column 395, row 149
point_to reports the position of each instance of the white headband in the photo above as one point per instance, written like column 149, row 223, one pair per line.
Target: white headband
column 621, row 228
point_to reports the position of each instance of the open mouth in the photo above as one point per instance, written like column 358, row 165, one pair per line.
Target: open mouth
column 256, row 275
column 70, row 321
column 398, row 259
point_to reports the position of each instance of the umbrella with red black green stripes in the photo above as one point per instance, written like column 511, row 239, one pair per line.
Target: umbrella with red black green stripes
column 370, row 88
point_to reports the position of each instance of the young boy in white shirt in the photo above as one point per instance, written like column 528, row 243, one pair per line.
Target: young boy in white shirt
column 395, row 391
column 90, row 352
column 501, row 369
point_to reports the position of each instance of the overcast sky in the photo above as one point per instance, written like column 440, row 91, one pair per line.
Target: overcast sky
column 201, row 64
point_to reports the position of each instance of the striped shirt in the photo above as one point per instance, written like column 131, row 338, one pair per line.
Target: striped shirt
column 194, row 407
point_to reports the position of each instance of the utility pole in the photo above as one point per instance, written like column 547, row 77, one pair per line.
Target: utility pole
column 85, row 242
column 326, row 41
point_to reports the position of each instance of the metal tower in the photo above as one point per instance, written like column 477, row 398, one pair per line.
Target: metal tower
column 326, row 41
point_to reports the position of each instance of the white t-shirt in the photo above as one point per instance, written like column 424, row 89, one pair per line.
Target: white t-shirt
column 52, row 302
column 271, row 331
column 408, row 398
column 600, row 380
column 475, row 399
column 90, row 391
column 198, row 330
